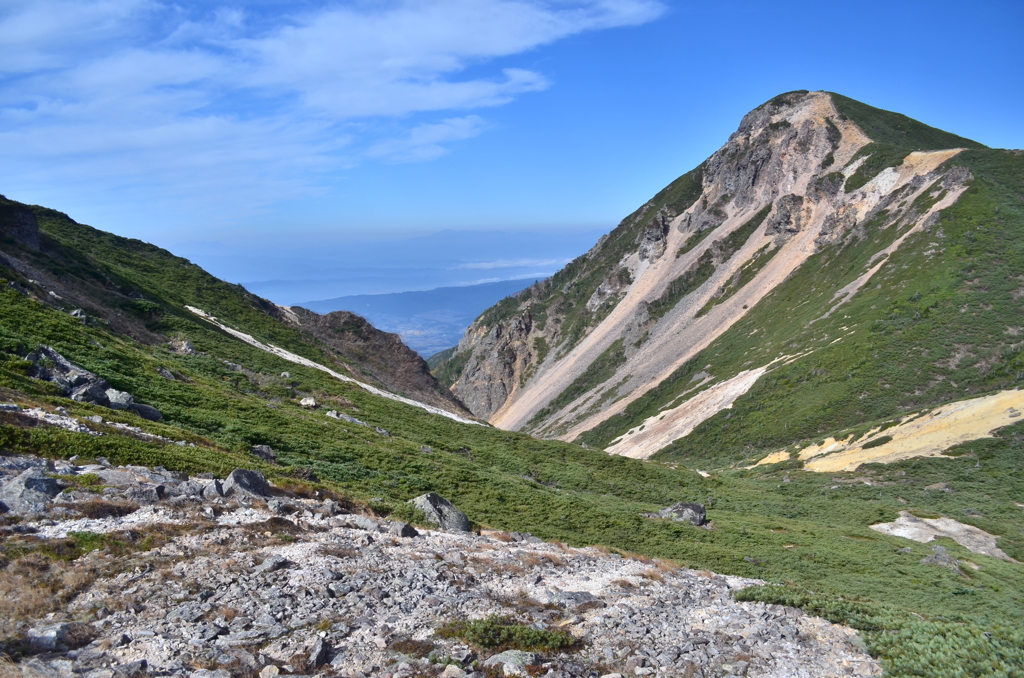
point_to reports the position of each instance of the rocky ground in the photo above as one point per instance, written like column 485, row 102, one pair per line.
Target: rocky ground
column 209, row 578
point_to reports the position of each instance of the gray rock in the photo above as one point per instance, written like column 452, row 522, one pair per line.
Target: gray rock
column 94, row 393
column 59, row 637
column 119, row 400
column 400, row 529
column 442, row 512
column 213, row 490
column 319, row 651
column 190, row 488
column 242, row 482
column 147, row 412
column 29, row 493
column 352, row 420
column 579, row 601
column 940, row 556
column 207, row 673
column 516, row 658
column 685, row 511
column 272, row 564
column 264, row 452
column 363, row 523
column 146, row 494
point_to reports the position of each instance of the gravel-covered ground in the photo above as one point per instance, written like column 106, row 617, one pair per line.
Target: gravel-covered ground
column 249, row 584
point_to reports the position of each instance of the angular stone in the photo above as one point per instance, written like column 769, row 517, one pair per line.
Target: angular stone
column 363, row 523
column 685, row 511
column 147, row 412
column 246, row 483
column 442, row 512
column 400, row 529
column 119, row 400
column 213, row 490
column 264, row 452
column 29, row 493
column 514, row 657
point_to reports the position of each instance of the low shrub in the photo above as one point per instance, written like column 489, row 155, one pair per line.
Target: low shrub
column 501, row 633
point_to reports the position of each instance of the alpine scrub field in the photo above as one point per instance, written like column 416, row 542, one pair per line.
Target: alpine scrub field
column 939, row 322
column 805, row 532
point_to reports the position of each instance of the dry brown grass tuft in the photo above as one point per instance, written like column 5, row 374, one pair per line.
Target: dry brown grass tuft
column 535, row 559
column 667, row 566
column 33, row 586
column 338, row 551
column 653, row 575
column 97, row 509
column 499, row 567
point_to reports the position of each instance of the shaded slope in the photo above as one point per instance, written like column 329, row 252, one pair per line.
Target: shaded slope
column 140, row 290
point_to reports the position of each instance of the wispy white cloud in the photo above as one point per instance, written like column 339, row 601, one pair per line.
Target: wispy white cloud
column 424, row 142
column 205, row 105
column 512, row 263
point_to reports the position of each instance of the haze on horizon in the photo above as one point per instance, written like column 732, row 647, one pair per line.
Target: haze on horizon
column 273, row 141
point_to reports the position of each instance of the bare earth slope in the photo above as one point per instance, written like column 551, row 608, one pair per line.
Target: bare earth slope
column 592, row 352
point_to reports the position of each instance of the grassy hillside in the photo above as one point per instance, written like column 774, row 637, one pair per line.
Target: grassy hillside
column 779, row 524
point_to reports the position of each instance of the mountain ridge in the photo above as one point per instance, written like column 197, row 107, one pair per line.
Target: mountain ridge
column 133, row 287
column 800, row 177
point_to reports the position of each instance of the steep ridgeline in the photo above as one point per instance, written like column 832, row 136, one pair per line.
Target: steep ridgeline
column 141, row 291
column 831, row 265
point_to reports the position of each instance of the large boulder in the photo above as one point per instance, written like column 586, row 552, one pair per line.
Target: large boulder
column 442, row 512
column 93, row 392
column 119, row 400
column 147, row 412
column 264, row 452
column 59, row 637
column 29, row 493
column 246, row 483
column 76, row 382
column 517, row 660
column 685, row 511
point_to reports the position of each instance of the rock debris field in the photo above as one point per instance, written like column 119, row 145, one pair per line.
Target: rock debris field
column 209, row 579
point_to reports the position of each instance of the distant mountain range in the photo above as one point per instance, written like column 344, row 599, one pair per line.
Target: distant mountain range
column 429, row 321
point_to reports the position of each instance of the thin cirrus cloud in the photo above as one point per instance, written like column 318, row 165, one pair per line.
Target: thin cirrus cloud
column 224, row 105
column 512, row 263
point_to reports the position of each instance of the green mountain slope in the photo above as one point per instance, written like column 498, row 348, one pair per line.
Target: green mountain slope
column 806, row 533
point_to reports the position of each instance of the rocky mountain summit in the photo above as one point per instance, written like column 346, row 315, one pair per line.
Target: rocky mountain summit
column 787, row 251
column 200, row 577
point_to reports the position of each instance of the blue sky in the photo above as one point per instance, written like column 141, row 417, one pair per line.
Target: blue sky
column 233, row 132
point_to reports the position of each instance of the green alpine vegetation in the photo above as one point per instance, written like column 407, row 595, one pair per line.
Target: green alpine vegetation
column 939, row 322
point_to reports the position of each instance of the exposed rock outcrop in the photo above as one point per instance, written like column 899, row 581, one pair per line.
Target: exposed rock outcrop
column 498, row 358
column 378, row 356
column 700, row 255
column 83, row 386
column 351, row 595
column 442, row 512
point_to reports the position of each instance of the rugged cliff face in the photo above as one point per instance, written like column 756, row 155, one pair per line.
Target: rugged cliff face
column 807, row 176
column 375, row 356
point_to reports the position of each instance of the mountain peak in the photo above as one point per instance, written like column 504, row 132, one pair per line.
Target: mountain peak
column 808, row 177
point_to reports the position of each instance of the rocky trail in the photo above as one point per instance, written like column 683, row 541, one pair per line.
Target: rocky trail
column 214, row 578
